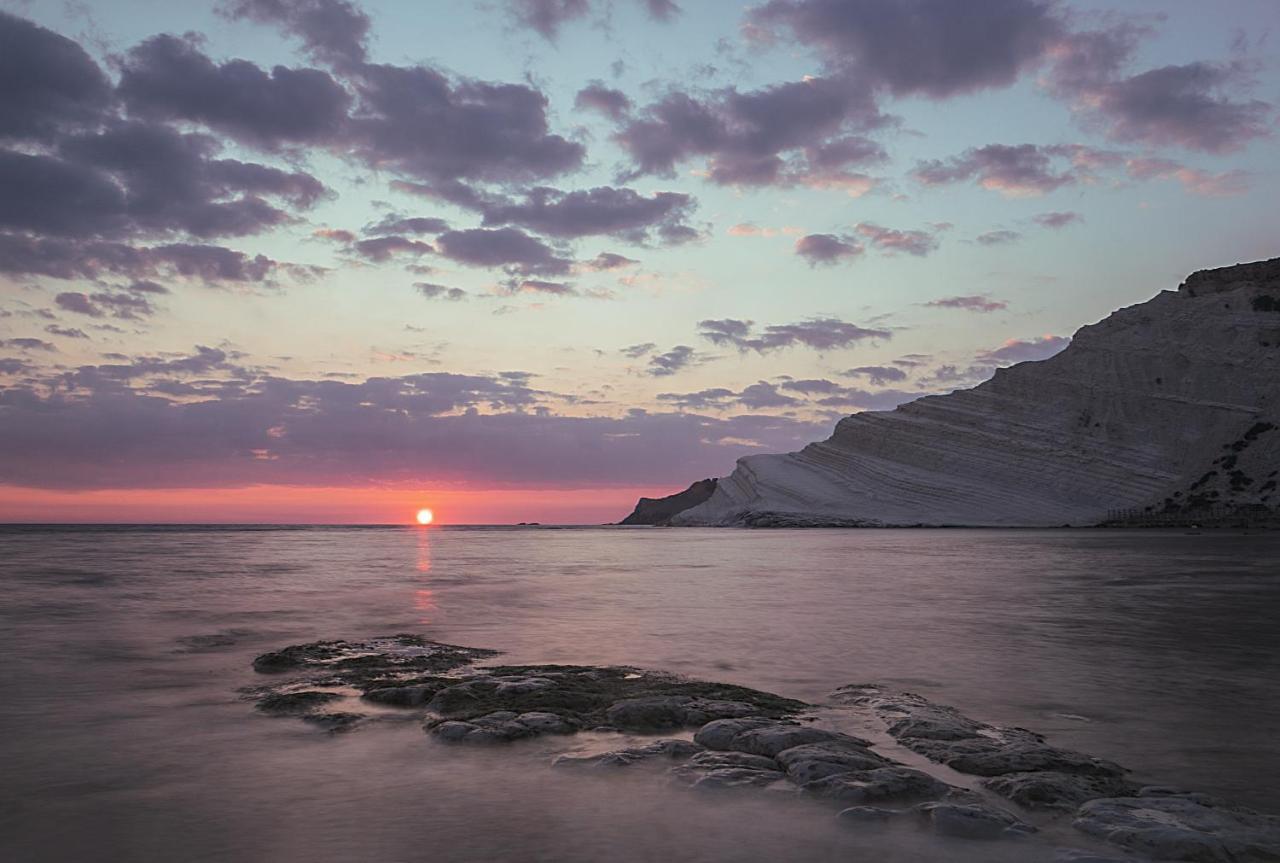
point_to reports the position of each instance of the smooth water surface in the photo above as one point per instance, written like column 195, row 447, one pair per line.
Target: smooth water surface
column 123, row 736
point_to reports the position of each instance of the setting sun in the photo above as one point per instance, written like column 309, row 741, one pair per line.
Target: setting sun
column 425, row 516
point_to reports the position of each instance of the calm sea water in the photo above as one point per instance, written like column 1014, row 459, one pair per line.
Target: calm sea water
column 122, row 736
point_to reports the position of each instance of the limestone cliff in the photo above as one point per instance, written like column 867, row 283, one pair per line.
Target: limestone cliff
column 1167, row 406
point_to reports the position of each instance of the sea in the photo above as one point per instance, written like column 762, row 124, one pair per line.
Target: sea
column 125, row 733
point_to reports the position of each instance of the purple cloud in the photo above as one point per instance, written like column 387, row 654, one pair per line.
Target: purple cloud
column 1057, row 220
column 48, row 83
column 973, row 303
column 502, row 247
column 672, row 361
column 1021, row 350
column 802, row 132
column 1013, row 170
column 877, row 375
column 827, row 248
column 891, row 240
column 932, row 48
column 440, row 292
column 820, row 334
column 998, row 238
column 168, row 78
column 333, row 31
column 614, row 104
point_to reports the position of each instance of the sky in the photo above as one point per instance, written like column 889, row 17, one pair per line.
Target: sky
column 527, row 260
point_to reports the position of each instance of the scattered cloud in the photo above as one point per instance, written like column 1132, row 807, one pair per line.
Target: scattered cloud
column 820, row 334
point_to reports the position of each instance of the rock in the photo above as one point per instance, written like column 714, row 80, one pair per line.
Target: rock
column 943, row 734
column 986, row 756
column 1061, row 791
column 295, row 702
column 766, row 737
column 721, row 733
column 502, row 726
column 377, row 657
column 1132, row 411
column 403, row 696
column 1182, row 828
column 866, row 814
column 709, row 760
column 660, row 510
column 818, row 760
column 972, row 821
column 333, row 722
column 773, row 739
column 881, row 785
column 670, row 750
column 736, row 777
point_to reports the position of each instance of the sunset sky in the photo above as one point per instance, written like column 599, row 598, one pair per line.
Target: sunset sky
column 525, row 260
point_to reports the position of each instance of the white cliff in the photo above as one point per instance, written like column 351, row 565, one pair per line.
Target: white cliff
column 1166, row 405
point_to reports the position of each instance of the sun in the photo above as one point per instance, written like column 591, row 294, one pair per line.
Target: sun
column 426, row 516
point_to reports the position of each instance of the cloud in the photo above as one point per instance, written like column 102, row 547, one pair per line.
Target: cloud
column 13, row 366
column 502, row 247
column 542, row 286
column 932, row 48
column 66, row 332
column 125, row 306
column 609, row 261
column 764, row 395
column 827, row 248
column 1020, row 350
column 918, row 243
column 820, row 334
column 332, row 31
column 1057, row 220
column 614, row 104
column 168, row 78
column 1013, row 170
column 116, row 430
column 672, row 361
column 601, row 211
column 973, row 303
column 877, row 375
column 1194, row 180
column 28, row 344
column 714, row 398
column 635, row 352
column 547, row 17
column 811, row 386
column 380, row 249
column 440, row 292
column 1192, row 105
column 395, row 224
column 69, row 259
column 49, row 83
column 998, row 238
column 794, row 133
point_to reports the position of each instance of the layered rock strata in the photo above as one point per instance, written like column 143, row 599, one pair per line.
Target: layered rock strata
column 1169, row 406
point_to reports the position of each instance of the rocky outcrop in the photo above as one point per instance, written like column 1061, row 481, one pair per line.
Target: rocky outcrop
column 1170, row 406
column 745, row 740
column 660, row 510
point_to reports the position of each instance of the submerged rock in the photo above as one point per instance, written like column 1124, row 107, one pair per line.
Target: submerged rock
column 749, row 739
column 812, row 761
column 972, row 821
column 670, row 750
column 1060, row 791
column 294, row 702
column 894, row 784
column 1183, row 827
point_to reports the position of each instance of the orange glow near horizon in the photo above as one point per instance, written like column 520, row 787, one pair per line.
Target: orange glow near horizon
column 425, row 517
column 320, row 505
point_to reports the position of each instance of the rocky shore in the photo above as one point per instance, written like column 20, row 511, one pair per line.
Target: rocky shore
column 911, row 760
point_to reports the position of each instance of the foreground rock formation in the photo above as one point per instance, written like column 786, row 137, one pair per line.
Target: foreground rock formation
column 1166, row 408
column 720, row 737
